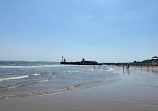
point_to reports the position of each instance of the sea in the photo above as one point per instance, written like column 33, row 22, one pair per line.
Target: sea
column 23, row 78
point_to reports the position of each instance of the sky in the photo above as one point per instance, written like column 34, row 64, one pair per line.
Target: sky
column 101, row 30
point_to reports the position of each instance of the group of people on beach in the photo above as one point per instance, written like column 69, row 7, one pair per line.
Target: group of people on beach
column 127, row 66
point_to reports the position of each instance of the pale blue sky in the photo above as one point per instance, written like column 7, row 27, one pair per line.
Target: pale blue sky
column 102, row 30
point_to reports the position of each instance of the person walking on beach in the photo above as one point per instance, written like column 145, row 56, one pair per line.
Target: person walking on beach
column 127, row 66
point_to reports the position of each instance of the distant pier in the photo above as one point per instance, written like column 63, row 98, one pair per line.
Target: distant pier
column 83, row 62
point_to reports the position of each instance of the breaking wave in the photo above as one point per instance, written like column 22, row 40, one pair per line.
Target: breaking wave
column 12, row 78
column 110, row 69
column 36, row 74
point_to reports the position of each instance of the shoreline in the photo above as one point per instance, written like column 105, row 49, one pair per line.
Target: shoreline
column 143, row 67
column 146, row 67
column 128, row 93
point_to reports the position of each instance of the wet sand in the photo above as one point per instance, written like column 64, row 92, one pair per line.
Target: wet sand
column 146, row 67
column 135, row 90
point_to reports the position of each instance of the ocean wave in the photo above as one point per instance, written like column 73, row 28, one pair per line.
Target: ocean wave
column 40, row 92
column 80, row 70
column 21, row 84
column 36, row 74
column 91, row 70
column 110, row 69
column 73, row 71
column 36, row 66
column 54, row 76
column 13, row 87
column 42, row 81
column 9, row 87
column 12, row 78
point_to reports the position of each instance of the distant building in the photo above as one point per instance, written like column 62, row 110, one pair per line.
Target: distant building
column 155, row 58
column 83, row 60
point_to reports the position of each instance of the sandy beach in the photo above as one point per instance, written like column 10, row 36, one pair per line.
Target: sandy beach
column 78, row 55
column 135, row 90
column 146, row 67
column 142, row 67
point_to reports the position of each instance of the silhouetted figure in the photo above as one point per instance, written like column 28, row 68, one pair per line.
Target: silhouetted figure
column 127, row 66
column 123, row 67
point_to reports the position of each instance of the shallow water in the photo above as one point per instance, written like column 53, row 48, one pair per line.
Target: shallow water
column 21, row 81
column 136, row 87
column 117, row 90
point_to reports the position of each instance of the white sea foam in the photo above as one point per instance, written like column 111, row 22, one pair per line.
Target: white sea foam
column 36, row 74
column 12, row 78
column 91, row 69
column 72, row 71
column 43, row 80
column 110, row 69
column 54, row 76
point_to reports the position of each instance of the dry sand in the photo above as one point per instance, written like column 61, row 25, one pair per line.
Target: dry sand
column 135, row 90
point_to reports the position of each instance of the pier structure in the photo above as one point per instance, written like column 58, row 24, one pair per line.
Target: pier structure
column 83, row 62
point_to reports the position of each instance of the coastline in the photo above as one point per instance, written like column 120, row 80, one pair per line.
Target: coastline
column 121, row 95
